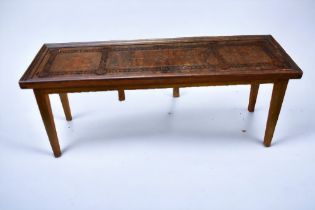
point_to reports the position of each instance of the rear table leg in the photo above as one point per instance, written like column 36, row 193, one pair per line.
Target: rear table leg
column 121, row 95
column 175, row 92
column 252, row 97
column 65, row 105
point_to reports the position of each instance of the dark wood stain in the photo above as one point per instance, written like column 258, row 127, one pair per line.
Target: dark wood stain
column 160, row 63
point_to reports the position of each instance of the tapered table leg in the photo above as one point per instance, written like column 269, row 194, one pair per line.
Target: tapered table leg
column 252, row 97
column 278, row 93
column 121, row 95
column 65, row 105
column 175, row 92
column 47, row 117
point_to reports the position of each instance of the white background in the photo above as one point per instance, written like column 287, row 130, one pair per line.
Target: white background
column 153, row 151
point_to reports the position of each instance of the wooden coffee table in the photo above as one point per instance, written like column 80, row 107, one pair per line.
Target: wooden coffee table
column 160, row 63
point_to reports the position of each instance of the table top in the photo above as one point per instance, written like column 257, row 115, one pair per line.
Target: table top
column 194, row 59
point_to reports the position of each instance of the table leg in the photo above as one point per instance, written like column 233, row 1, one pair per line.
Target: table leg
column 252, row 97
column 47, row 117
column 65, row 105
column 278, row 93
column 175, row 92
column 121, row 95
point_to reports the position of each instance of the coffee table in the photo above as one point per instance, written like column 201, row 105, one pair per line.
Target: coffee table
column 159, row 63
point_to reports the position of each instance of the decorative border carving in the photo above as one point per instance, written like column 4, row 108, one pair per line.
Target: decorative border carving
column 102, row 67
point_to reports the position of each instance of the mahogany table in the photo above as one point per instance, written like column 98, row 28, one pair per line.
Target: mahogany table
column 160, row 63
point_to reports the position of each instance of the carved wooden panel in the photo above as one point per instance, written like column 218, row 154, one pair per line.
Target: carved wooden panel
column 189, row 58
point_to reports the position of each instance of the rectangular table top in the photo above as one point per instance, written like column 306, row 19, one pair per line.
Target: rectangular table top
column 162, row 61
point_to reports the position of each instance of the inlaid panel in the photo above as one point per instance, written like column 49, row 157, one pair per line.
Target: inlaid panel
column 244, row 54
column 76, row 61
column 149, row 57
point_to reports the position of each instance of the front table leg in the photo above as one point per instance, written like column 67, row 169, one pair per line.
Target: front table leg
column 278, row 93
column 47, row 117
